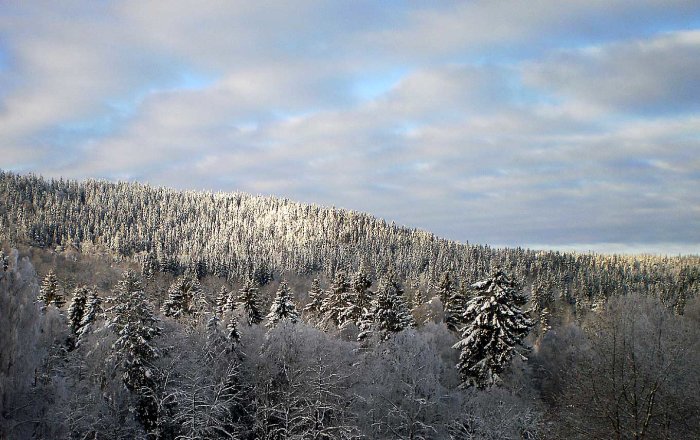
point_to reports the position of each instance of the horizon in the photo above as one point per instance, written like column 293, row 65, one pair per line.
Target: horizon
column 570, row 127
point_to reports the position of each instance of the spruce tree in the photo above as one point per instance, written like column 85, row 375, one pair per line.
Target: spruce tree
column 315, row 297
column 4, row 260
column 495, row 326
column 216, row 340
column 185, row 297
column 49, row 291
column 232, row 333
column 358, row 300
column 389, row 312
column 93, row 310
column 445, row 288
column 77, row 308
column 541, row 301
column 454, row 309
column 282, row 307
column 248, row 299
column 222, row 301
column 336, row 300
column 134, row 351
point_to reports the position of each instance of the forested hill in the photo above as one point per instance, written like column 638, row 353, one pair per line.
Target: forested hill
column 236, row 235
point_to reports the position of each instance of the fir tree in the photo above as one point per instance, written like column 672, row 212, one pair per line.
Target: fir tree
column 336, row 300
column 135, row 326
column 4, row 259
column 315, row 297
column 149, row 266
column 232, row 333
column 77, row 308
column 222, row 301
column 361, row 284
column 216, row 340
column 495, row 326
column 248, row 299
column 358, row 300
column 418, row 299
column 541, row 301
column 389, row 312
column 445, row 288
column 185, row 297
column 49, row 292
column 282, row 307
column 93, row 310
column 454, row 309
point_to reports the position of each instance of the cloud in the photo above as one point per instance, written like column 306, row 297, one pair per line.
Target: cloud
column 515, row 28
column 655, row 75
column 478, row 121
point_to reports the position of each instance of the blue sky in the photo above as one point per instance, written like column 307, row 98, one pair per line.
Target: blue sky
column 568, row 125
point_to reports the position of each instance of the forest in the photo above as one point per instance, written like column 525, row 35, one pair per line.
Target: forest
column 129, row 311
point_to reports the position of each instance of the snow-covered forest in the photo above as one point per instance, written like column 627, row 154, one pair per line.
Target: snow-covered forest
column 128, row 311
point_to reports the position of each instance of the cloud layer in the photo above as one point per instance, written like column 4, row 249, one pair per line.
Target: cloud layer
column 490, row 122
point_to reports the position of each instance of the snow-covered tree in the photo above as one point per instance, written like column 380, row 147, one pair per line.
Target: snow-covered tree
column 77, row 308
column 315, row 297
column 232, row 333
column 495, row 326
column 541, row 300
column 222, row 300
column 283, row 307
column 93, row 310
column 248, row 299
column 389, row 312
column 50, row 292
column 358, row 300
column 134, row 351
column 336, row 299
column 185, row 297
column 418, row 299
column 445, row 287
column 454, row 309
column 4, row 259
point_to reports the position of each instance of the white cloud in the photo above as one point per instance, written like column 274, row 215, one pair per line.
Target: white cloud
column 657, row 75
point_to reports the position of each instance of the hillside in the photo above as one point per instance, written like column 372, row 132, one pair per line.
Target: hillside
column 236, row 236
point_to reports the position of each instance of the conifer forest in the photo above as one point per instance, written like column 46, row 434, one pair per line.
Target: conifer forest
column 129, row 311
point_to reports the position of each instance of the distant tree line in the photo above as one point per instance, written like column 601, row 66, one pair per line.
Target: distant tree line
column 239, row 236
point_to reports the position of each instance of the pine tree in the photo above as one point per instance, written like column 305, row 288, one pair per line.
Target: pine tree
column 361, row 284
column 4, row 261
column 248, row 299
column 315, row 297
column 336, row 300
column 445, row 288
column 358, row 300
column 541, row 301
column 216, row 340
column 495, row 325
column 93, row 310
column 185, row 297
column 232, row 333
column 282, row 307
column 77, row 308
column 222, row 301
column 149, row 266
column 418, row 299
column 49, row 292
column 454, row 309
column 389, row 312
column 135, row 326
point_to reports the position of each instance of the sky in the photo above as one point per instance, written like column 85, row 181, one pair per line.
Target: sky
column 566, row 125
